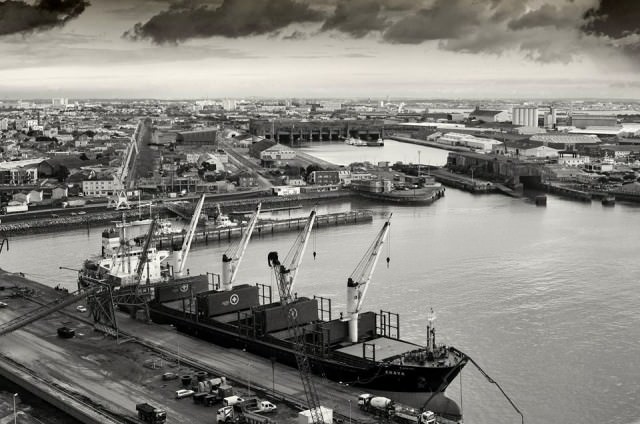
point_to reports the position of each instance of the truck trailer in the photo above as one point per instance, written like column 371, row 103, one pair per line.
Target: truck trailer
column 151, row 414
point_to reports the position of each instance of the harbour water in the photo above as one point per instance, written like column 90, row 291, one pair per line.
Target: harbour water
column 545, row 299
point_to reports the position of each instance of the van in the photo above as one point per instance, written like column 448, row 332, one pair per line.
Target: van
column 232, row 400
column 183, row 393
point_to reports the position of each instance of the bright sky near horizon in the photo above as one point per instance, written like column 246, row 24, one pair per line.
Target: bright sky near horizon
column 319, row 48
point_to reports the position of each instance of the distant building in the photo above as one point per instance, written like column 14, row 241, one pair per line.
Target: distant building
column 247, row 180
column 324, row 177
column 4, row 124
column 566, row 141
column 229, row 104
column 490, row 115
column 197, row 138
column 19, row 172
column 276, row 155
column 525, row 116
column 584, row 120
column 101, row 187
column 468, row 140
column 59, row 192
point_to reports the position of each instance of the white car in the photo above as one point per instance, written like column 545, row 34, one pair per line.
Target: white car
column 3, row 305
column 81, row 308
column 183, row 393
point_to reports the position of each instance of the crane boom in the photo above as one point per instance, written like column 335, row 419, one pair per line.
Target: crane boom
column 186, row 244
column 232, row 257
column 358, row 282
column 289, row 269
column 144, row 256
column 285, row 277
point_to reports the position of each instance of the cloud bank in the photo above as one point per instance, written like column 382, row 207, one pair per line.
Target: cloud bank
column 18, row 16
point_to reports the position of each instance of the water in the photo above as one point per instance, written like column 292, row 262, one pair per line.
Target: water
column 545, row 299
column 393, row 151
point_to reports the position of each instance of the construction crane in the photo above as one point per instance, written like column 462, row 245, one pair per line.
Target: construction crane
column 186, row 244
column 358, row 282
column 285, row 275
column 232, row 257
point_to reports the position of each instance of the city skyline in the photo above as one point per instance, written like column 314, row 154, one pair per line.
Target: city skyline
column 462, row 49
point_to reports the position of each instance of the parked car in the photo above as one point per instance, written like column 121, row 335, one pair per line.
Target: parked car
column 3, row 305
column 81, row 308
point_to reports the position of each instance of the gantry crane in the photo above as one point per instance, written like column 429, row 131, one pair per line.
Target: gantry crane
column 232, row 257
column 358, row 282
column 285, row 275
column 186, row 244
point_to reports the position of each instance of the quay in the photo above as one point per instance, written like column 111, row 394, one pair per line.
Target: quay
column 205, row 236
column 97, row 378
column 569, row 192
column 462, row 182
column 433, row 144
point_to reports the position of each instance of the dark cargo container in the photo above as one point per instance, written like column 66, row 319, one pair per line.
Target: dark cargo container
column 273, row 317
column 214, row 302
column 194, row 285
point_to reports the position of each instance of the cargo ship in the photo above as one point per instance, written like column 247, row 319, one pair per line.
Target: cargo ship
column 361, row 348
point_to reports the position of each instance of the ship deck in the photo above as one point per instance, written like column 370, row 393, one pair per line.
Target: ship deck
column 385, row 348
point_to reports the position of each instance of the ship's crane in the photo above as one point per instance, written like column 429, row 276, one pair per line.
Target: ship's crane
column 232, row 257
column 285, row 275
column 186, row 244
column 358, row 282
column 144, row 255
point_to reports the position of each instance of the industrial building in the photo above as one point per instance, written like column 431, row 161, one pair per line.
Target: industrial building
column 196, row 138
column 490, row 115
column 468, row 140
column 585, row 120
column 289, row 131
column 525, row 116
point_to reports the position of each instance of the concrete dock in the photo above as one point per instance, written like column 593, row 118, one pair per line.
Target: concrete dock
column 97, row 374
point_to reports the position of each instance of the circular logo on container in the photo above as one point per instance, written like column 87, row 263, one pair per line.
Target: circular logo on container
column 234, row 299
column 293, row 313
column 184, row 288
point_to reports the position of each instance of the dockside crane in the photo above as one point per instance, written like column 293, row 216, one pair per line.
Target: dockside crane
column 359, row 280
column 232, row 257
column 285, row 275
column 188, row 238
column 144, row 255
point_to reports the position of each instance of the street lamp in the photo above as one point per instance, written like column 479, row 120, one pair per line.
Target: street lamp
column 15, row 417
column 349, row 411
column 418, row 163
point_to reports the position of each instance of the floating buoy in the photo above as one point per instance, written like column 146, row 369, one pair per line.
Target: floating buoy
column 388, row 260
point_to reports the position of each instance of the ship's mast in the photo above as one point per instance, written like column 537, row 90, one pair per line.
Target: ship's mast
column 431, row 331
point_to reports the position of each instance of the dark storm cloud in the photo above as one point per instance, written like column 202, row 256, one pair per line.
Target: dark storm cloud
column 233, row 19
column 618, row 21
column 444, row 19
column 613, row 18
column 19, row 17
column 356, row 17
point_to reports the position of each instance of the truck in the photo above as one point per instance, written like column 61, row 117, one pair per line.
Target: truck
column 150, row 414
column 236, row 414
column 74, row 203
column 14, row 208
column 398, row 413
column 258, row 406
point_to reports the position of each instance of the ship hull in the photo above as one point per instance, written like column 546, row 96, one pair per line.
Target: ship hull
column 355, row 371
column 417, row 196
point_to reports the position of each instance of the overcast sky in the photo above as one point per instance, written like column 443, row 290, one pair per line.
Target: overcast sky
column 320, row 48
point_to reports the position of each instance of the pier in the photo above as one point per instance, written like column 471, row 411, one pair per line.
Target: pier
column 205, row 236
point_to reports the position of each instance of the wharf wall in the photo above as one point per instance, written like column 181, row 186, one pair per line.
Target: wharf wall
column 569, row 192
column 433, row 144
column 463, row 182
column 54, row 395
